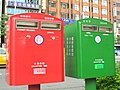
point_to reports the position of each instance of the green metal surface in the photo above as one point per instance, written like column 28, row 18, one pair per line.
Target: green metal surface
column 89, row 54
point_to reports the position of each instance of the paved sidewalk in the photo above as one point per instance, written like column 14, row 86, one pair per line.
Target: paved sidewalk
column 68, row 84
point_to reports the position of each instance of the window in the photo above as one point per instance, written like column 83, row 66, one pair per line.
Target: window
column 75, row 16
column 118, row 4
column 115, row 13
column 75, row 7
column 95, row 17
column 95, row 1
column 119, row 31
column 52, row 13
column 64, row 15
column 90, row 28
column 86, row 8
column 85, row 16
column 118, row 12
column 104, row 2
column 64, row 5
column 104, row 11
column 118, row 25
column 118, row 20
column 52, row 4
column 95, row 10
column 104, row 19
column 85, row 0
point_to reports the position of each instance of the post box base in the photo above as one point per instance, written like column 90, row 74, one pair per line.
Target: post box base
column 34, row 87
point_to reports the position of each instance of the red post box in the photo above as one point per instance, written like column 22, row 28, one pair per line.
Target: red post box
column 35, row 49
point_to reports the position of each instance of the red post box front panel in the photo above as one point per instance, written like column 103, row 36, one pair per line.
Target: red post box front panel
column 35, row 47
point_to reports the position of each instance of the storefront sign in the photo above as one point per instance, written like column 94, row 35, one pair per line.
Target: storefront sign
column 24, row 5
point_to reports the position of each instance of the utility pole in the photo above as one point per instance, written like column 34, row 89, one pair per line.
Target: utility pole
column 0, row 16
column 3, row 12
column 43, row 6
column 47, row 6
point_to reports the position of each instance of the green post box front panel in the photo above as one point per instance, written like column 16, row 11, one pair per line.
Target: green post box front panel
column 89, row 49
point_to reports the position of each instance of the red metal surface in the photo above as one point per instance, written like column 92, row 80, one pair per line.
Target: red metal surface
column 28, row 62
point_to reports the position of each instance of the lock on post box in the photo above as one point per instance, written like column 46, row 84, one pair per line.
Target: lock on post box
column 89, row 49
column 35, row 48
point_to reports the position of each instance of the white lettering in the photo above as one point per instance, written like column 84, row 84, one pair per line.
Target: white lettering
column 103, row 22
column 49, row 18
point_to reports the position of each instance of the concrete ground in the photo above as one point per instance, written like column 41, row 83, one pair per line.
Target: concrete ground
column 68, row 84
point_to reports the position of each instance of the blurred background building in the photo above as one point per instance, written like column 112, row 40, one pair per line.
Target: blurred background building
column 77, row 9
column 116, row 17
column 68, row 9
column 108, row 10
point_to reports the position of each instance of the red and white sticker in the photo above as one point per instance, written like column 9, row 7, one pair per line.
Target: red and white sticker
column 39, row 39
column 97, row 39
column 39, row 71
column 39, row 68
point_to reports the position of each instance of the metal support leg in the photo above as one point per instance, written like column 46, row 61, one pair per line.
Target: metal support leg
column 90, row 84
column 34, row 87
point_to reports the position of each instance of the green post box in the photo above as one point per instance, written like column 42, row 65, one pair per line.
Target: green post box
column 89, row 49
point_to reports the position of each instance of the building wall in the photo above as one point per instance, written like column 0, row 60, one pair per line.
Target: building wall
column 77, row 9
column 118, row 10
column 116, row 16
column 69, row 9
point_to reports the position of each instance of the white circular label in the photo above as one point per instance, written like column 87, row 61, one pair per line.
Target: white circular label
column 98, row 39
column 39, row 39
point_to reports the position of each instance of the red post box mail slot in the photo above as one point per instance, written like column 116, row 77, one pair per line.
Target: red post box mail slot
column 35, row 49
